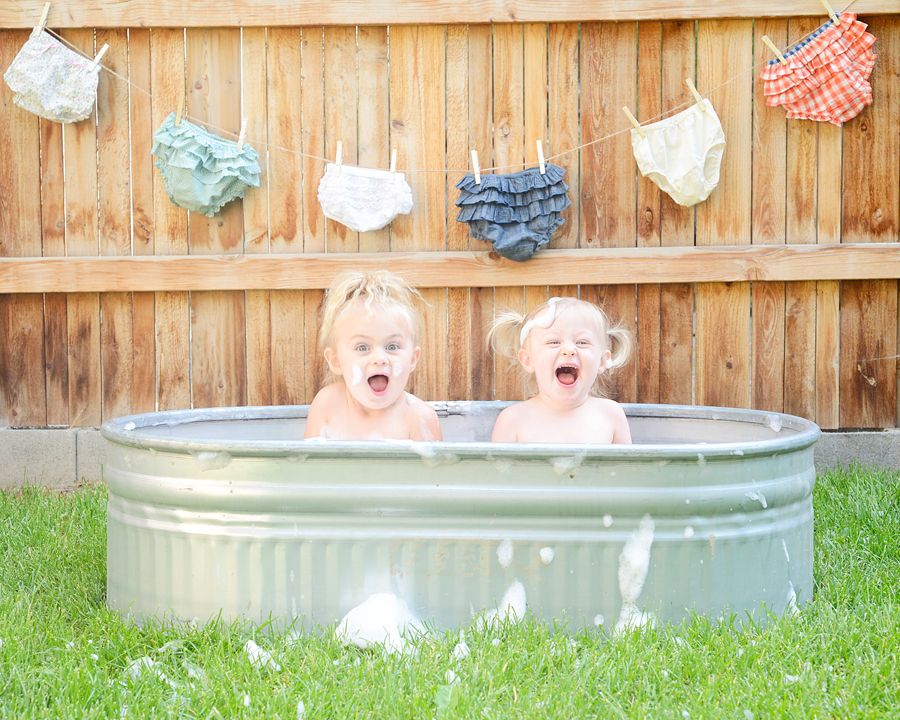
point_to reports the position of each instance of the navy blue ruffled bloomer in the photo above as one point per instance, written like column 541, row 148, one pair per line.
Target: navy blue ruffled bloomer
column 518, row 213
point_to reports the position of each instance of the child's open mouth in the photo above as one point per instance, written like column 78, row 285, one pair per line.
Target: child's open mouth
column 378, row 383
column 567, row 374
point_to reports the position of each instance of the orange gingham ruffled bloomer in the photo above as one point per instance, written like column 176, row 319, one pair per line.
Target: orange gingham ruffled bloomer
column 826, row 77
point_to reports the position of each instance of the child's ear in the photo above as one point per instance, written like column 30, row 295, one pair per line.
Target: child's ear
column 331, row 359
column 605, row 359
column 415, row 358
column 525, row 361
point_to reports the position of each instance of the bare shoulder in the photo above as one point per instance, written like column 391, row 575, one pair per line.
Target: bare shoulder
column 426, row 425
column 321, row 408
column 508, row 422
column 614, row 413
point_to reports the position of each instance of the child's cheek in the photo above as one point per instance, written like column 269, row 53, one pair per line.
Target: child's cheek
column 397, row 368
column 357, row 375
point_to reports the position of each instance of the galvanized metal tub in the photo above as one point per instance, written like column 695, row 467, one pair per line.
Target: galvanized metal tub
column 229, row 513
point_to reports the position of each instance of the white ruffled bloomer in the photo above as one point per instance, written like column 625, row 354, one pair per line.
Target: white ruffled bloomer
column 682, row 154
column 50, row 80
column 363, row 199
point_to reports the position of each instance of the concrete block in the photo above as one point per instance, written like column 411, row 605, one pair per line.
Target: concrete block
column 44, row 457
column 878, row 449
column 91, row 454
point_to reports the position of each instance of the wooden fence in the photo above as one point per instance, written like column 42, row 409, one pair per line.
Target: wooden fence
column 778, row 292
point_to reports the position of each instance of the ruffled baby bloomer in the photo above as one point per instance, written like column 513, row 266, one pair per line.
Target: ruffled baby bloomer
column 52, row 81
column 518, row 212
column 363, row 199
column 825, row 77
column 202, row 172
column 682, row 153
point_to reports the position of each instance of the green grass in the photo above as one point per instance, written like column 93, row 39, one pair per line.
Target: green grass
column 64, row 655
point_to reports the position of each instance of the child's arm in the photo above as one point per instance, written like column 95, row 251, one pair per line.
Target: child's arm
column 505, row 427
column 621, row 430
column 426, row 425
column 315, row 418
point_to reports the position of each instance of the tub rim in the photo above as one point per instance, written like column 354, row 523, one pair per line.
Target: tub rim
column 117, row 431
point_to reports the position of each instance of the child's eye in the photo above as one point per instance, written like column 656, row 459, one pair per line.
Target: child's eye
column 552, row 342
column 361, row 347
column 393, row 347
column 583, row 343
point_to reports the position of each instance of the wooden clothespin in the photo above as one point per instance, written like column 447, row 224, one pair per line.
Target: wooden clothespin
column 781, row 58
column 540, row 153
column 693, row 89
column 831, row 13
column 476, row 169
column 242, row 134
column 100, row 55
column 180, row 111
column 339, row 155
column 633, row 119
column 39, row 28
column 394, row 160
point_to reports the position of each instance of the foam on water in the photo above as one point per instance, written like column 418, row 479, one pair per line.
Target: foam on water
column 688, row 532
column 607, row 520
column 758, row 497
column 209, row 460
column 511, row 608
column 547, row 554
column 259, row 657
column 774, row 423
column 634, row 562
column 383, row 620
column 461, row 649
column 505, row 553
column 563, row 465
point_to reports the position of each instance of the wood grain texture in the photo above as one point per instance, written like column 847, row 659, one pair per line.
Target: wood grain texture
column 23, row 394
column 247, row 13
column 611, row 266
column 172, row 309
column 255, row 107
column 770, row 186
column 871, row 210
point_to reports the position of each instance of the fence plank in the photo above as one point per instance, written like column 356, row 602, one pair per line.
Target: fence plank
column 870, row 211
column 173, row 352
column 83, row 309
column 481, row 119
column 509, row 155
column 114, row 206
column 828, row 191
column 676, row 320
column 723, row 311
column 248, row 13
column 312, row 101
column 143, row 305
column 649, row 104
column 563, row 133
column 374, row 132
column 23, row 394
column 459, row 306
column 254, row 108
column 768, row 226
column 418, row 130
column 608, row 197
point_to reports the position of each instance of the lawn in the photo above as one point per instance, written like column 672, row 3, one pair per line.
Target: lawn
column 63, row 654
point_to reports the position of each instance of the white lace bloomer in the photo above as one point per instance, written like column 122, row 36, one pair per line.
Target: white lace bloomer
column 50, row 80
column 363, row 199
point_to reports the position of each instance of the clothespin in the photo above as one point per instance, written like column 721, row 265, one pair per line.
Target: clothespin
column 180, row 111
column 781, row 58
column 475, row 167
column 394, row 160
column 633, row 119
column 540, row 152
column 693, row 89
column 242, row 134
column 100, row 55
column 39, row 28
column 339, row 155
column 830, row 10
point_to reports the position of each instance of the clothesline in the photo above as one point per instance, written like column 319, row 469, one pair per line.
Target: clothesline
column 460, row 171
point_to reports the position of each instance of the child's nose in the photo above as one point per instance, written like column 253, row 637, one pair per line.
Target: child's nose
column 568, row 348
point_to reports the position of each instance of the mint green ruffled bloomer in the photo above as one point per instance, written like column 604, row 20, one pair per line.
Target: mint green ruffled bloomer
column 203, row 172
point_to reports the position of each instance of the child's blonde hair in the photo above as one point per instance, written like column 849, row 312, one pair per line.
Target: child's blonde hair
column 375, row 289
column 510, row 329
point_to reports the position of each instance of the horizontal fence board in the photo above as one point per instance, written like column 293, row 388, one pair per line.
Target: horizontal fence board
column 248, row 13
column 607, row 266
